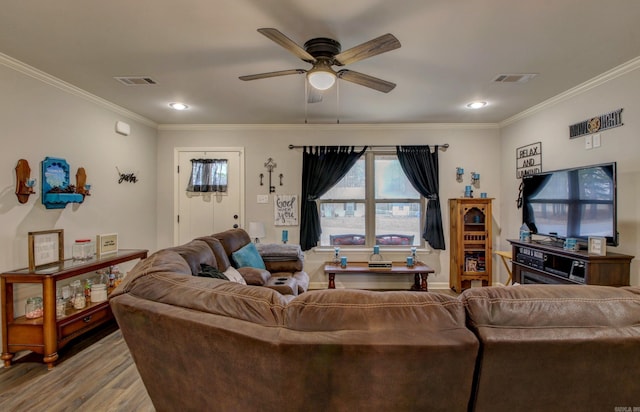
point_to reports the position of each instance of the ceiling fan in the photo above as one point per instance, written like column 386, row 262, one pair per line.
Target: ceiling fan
column 324, row 53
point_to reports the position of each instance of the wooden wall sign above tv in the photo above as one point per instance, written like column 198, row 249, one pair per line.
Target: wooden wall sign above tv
column 596, row 124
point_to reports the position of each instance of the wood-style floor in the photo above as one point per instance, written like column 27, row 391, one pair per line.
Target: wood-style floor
column 95, row 374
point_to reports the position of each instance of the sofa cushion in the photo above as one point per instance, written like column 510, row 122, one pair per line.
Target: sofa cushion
column 195, row 253
column 254, row 276
column 336, row 309
column 233, row 239
column 207, row 271
column 551, row 306
column 220, row 254
column 233, row 275
column 247, row 256
column 262, row 306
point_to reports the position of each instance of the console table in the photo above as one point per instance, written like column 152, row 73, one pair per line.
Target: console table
column 47, row 334
column 419, row 270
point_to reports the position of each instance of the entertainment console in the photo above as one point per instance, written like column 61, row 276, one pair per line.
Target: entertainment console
column 540, row 263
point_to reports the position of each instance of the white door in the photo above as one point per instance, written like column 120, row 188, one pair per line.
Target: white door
column 202, row 214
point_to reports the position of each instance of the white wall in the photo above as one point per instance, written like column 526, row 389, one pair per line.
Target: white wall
column 549, row 123
column 41, row 116
column 474, row 147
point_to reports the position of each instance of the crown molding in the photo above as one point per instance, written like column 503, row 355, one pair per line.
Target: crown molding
column 331, row 127
column 34, row 73
column 605, row 77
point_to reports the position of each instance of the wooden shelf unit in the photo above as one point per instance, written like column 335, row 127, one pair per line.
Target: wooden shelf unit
column 47, row 334
column 471, row 242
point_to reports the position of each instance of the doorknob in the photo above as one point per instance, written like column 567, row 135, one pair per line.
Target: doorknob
column 235, row 226
column 235, row 217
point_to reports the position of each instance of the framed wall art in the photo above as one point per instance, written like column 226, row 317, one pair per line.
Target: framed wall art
column 106, row 244
column 45, row 247
column 597, row 246
column 286, row 210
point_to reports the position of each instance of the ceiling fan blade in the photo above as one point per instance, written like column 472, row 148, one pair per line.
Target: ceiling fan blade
column 277, row 36
column 272, row 74
column 366, row 80
column 313, row 95
column 382, row 44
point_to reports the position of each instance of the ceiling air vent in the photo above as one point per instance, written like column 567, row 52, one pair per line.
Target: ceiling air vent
column 514, row 78
column 136, row 80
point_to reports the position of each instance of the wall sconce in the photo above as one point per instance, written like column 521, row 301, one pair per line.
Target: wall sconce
column 256, row 231
column 459, row 173
column 475, row 178
column 24, row 182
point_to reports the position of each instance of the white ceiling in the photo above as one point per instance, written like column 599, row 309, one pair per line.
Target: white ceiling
column 196, row 49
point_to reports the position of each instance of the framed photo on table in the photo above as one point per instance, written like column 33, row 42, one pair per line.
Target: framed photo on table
column 45, row 247
column 597, row 246
column 106, row 244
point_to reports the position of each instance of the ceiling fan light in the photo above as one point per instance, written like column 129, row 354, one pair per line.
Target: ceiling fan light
column 321, row 80
column 476, row 105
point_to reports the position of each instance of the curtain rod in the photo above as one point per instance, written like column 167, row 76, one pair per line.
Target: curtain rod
column 442, row 147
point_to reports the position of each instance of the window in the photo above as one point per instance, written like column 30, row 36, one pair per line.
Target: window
column 208, row 175
column 373, row 204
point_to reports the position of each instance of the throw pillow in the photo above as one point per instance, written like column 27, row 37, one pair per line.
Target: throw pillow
column 234, row 275
column 254, row 276
column 247, row 256
column 208, row 271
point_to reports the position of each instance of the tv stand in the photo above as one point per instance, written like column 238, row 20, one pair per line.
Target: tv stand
column 535, row 262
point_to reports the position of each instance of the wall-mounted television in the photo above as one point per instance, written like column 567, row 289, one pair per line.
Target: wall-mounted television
column 572, row 203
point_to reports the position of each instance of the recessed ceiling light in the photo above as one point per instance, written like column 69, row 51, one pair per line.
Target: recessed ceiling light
column 178, row 106
column 476, row 105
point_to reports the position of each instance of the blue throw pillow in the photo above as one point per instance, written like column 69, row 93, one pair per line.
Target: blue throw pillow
column 247, row 256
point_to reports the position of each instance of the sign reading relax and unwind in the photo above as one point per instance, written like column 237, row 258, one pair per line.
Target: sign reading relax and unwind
column 528, row 160
column 596, row 124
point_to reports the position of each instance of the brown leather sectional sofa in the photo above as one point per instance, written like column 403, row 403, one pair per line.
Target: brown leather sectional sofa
column 209, row 344
column 284, row 267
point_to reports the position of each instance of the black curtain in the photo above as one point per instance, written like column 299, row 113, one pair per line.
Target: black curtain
column 322, row 168
column 421, row 167
column 531, row 187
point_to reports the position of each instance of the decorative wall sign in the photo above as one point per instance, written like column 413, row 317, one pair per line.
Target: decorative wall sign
column 45, row 247
column 126, row 177
column 286, row 210
column 596, row 124
column 270, row 165
column 106, row 244
column 528, row 160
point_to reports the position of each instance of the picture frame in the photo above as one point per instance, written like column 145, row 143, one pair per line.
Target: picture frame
column 285, row 210
column 106, row 244
column 46, row 247
column 597, row 246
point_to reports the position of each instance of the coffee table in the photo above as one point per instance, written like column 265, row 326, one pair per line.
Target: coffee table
column 419, row 270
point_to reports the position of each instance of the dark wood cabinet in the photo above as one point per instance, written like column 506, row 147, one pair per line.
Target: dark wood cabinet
column 541, row 263
column 46, row 334
column 471, row 244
